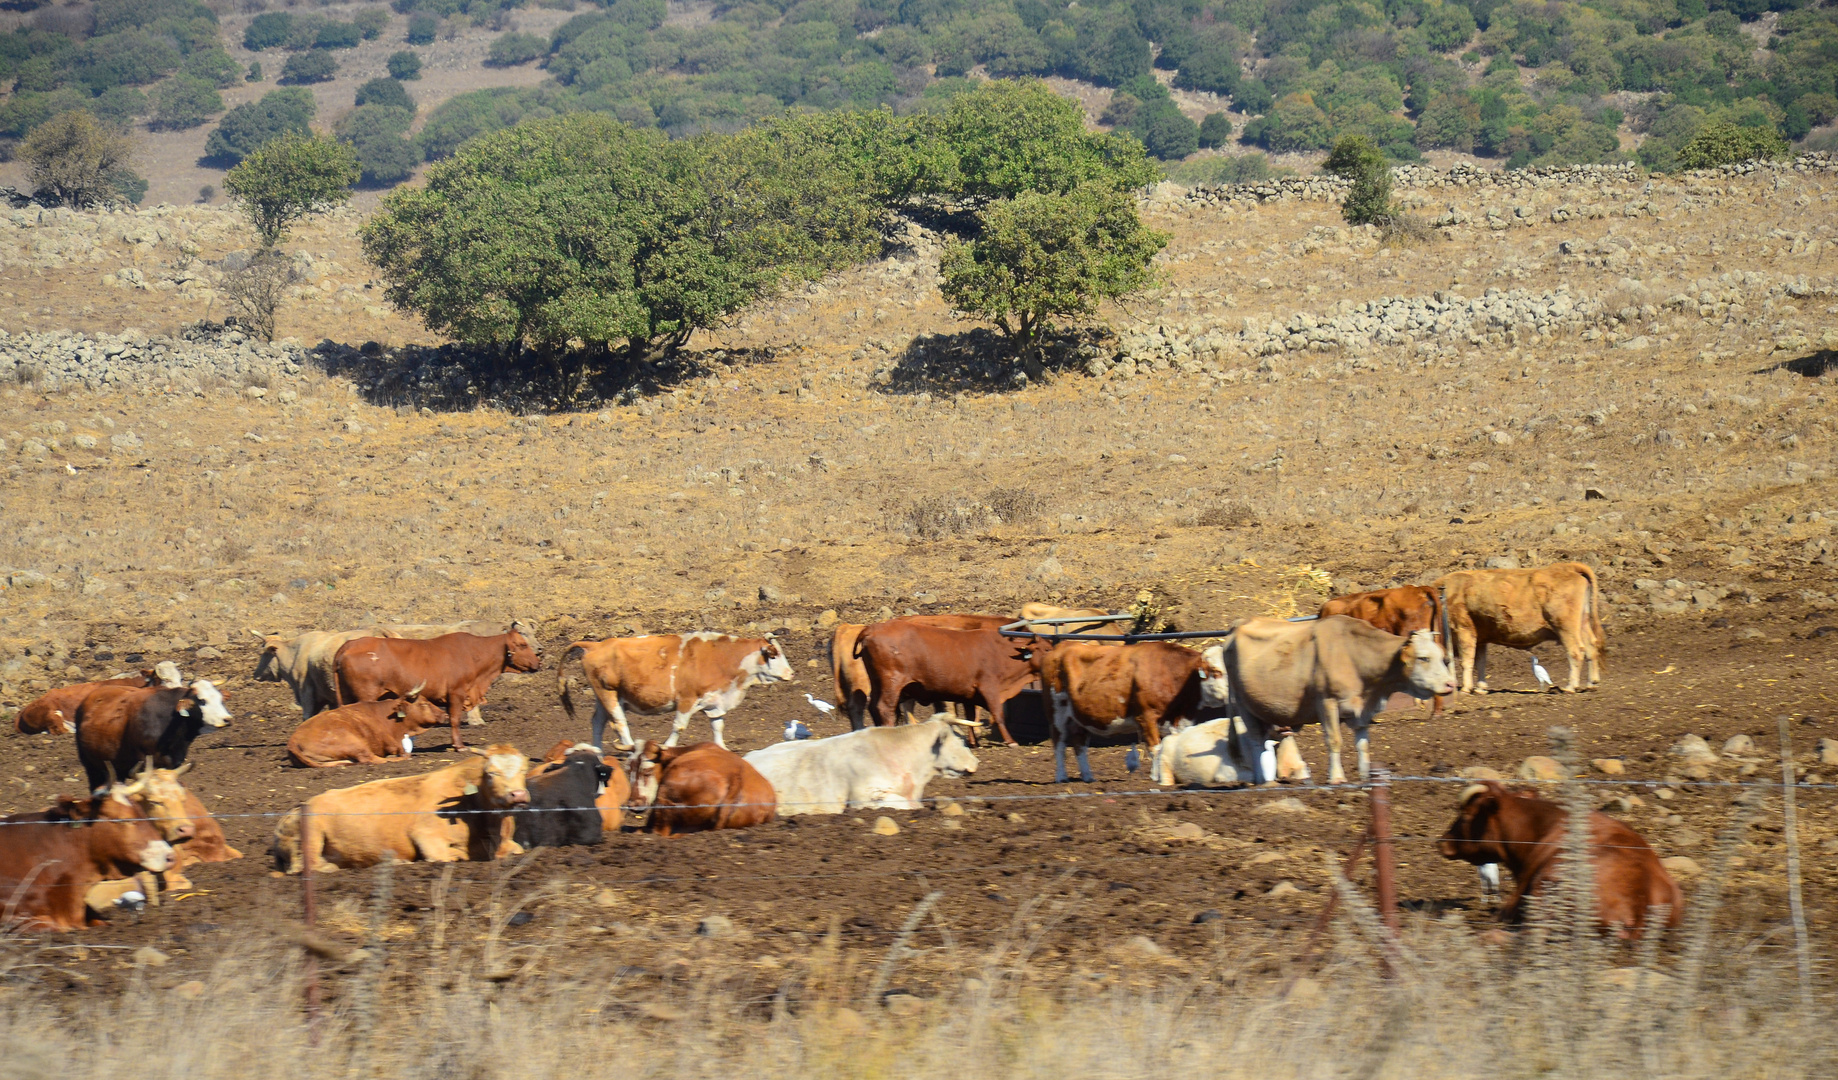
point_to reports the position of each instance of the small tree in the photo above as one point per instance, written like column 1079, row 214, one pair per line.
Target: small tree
column 388, row 92
column 289, row 178
column 73, row 160
column 1359, row 159
column 1215, row 130
column 287, row 111
column 184, row 102
column 309, row 67
column 371, row 22
column 256, row 291
column 1724, row 143
column 1042, row 255
column 515, row 48
column 422, row 26
column 404, row 65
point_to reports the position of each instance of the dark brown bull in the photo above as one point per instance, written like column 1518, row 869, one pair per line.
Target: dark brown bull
column 932, row 664
column 454, row 671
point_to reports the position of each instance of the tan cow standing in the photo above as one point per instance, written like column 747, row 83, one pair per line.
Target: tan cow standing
column 455, row 814
column 1521, row 609
column 681, row 674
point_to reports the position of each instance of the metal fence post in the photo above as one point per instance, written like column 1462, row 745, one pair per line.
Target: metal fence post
column 309, row 913
column 1384, row 857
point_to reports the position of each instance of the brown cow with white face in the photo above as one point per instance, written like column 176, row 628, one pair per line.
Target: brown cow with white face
column 1497, row 825
column 696, row 788
column 50, row 860
column 1100, row 689
column 680, row 674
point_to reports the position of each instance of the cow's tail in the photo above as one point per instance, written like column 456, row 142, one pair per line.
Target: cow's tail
column 338, row 675
column 1594, row 612
column 564, row 686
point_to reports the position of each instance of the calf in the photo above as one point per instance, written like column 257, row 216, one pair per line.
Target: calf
column 1109, row 690
column 935, row 664
column 564, row 797
column 50, row 860
column 697, row 788
column 873, row 767
column 1522, row 609
column 56, row 712
column 453, row 814
column 367, row 733
column 681, row 674
column 1402, row 611
column 119, row 726
column 1498, row 825
column 455, row 670
column 1284, row 674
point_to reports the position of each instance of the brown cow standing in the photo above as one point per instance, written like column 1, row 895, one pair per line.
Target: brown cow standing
column 51, row 859
column 455, row 670
column 56, row 712
column 697, row 788
column 1106, row 689
column 1402, row 611
column 367, row 733
column 681, row 674
column 977, row 666
column 1522, row 609
column 1497, row 825
column 854, row 686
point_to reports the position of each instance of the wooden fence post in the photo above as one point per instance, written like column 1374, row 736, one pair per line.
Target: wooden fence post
column 1384, row 856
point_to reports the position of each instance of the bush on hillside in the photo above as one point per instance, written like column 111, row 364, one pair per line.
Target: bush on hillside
column 1724, row 143
column 385, row 92
column 1215, row 130
column 515, row 48
column 422, row 26
column 1359, row 159
column 404, row 65
column 269, row 30
column 182, row 103
column 338, row 35
column 371, row 22
column 213, row 66
column 309, row 67
column 288, row 178
column 73, row 159
column 253, row 124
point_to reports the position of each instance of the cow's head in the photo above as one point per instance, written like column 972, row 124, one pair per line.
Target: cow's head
column 204, row 699
column 139, row 842
column 519, row 654
column 165, row 675
column 1475, row 836
column 951, row 754
column 644, row 770
column 768, row 665
column 504, row 782
column 413, row 716
column 162, row 798
column 277, row 656
column 1426, row 666
column 1215, row 688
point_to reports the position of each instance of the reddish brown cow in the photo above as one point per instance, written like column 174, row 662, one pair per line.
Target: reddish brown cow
column 1526, row 833
column 1108, row 689
column 119, row 727
column 980, row 667
column 1401, row 611
column 56, row 712
column 455, row 670
column 367, row 733
column 51, row 859
column 697, row 788
column 854, row 685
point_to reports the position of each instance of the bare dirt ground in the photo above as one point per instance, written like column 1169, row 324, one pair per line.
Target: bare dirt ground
column 786, row 470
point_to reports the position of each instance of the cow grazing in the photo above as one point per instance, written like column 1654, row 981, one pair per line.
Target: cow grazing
column 874, row 767
column 564, row 803
column 1285, row 674
column 681, row 789
column 934, row 664
column 306, row 662
column 1402, row 611
column 681, row 674
column 1521, row 609
column 367, row 733
column 459, row 813
column 1110, row 690
column 56, row 712
column 120, row 726
column 1211, row 754
column 454, row 670
column 50, row 860
column 1527, row 834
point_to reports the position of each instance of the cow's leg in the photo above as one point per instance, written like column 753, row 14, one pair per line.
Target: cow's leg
column 606, row 706
column 1289, row 762
column 456, row 710
column 997, row 708
column 1330, row 732
column 1061, row 720
column 1362, row 742
column 678, row 725
column 1573, row 643
column 433, row 845
column 474, row 718
column 1480, row 667
column 1084, row 754
column 716, row 723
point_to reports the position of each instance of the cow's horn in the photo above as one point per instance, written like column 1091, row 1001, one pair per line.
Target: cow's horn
column 1470, row 792
column 258, row 635
column 183, row 769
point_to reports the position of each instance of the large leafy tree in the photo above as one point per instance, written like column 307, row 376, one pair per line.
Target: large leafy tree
column 1042, row 256
column 75, row 160
column 288, row 178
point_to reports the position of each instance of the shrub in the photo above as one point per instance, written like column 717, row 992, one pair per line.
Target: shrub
column 255, row 71
column 1215, row 130
column 1225, row 169
column 385, row 92
column 516, row 48
column 1360, row 160
column 309, row 67
column 251, row 125
column 1165, row 131
column 376, row 133
column 1213, row 68
column 269, row 30
column 404, row 65
column 288, row 178
column 207, row 192
column 371, row 22
column 256, row 291
column 183, row 102
column 72, row 159
column 338, row 35
column 1041, row 256
column 1723, row 143
column 213, row 66
column 1447, row 27
column 422, row 26
column 1004, row 138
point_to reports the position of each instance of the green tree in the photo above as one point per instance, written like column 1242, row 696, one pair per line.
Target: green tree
column 404, row 66
column 182, row 103
column 288, row 178
column 309, row 67
column 1723, row 143
column 376, row 133
column 1042, row 256
column 248, row 126
column 1215, row 130
column 422, row 26
column 74, row 160
column 371, row 22
column 1359, row 159
column 385, row 92
column 269, row 30
column 515, row 48
column 214, row 67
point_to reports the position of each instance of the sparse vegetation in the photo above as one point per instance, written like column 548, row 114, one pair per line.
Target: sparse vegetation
column 288, row 178
column 257, row 291
column 509, row 50
column 309, row 67
column 422, row 26
column 74, row 160
column 387, row 92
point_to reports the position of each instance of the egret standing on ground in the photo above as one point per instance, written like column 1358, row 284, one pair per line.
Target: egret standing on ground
column 794, row 731
column 820, row 705
column 1539, row 673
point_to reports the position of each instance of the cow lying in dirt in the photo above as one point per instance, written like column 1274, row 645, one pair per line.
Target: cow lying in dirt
column 1210, row 754
column 455, row 814
column 50, row 860
column 1527, row 834
column 367, row 733
column 565, row 796
column 877, row 766
column 56, row 712
column 697, row 788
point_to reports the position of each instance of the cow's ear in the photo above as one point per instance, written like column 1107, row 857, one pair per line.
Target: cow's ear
column 186, row 705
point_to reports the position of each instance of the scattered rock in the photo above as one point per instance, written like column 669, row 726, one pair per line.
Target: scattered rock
column 192, row 990
column 1143, row 945
column 951, row 809
column 1479, row 772
column 716, row 926
column 1283, row 888
column 148, row 956
column 208, row 652
column 1739, row 744
column 1608, row 766
column 848, row 1023
column 1305, row 993
column 1201, row 918
column 885, row 826
column 1828, row 752
column 1693, row 749
column 1623, row 804
column 1013, row 818
column 828, row 619
column 1289, row 805
column 898, row 1004
column 663, row 1010
column 1681, row 866
column 1539, row 767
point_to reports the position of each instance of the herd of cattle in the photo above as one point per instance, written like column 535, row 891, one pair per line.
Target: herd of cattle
column 1221, row 715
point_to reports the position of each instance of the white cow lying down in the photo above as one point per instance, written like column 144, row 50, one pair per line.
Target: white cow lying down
column 1207, row 754
column 874, row 767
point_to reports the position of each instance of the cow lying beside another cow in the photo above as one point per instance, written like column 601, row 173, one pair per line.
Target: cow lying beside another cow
column 56, row 712
column 874, row 767
column 53, row 858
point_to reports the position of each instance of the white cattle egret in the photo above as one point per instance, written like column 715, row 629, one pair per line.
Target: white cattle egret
column 795, row 731
column 820, row 705
column 1490, row 878
column 1543, row 676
